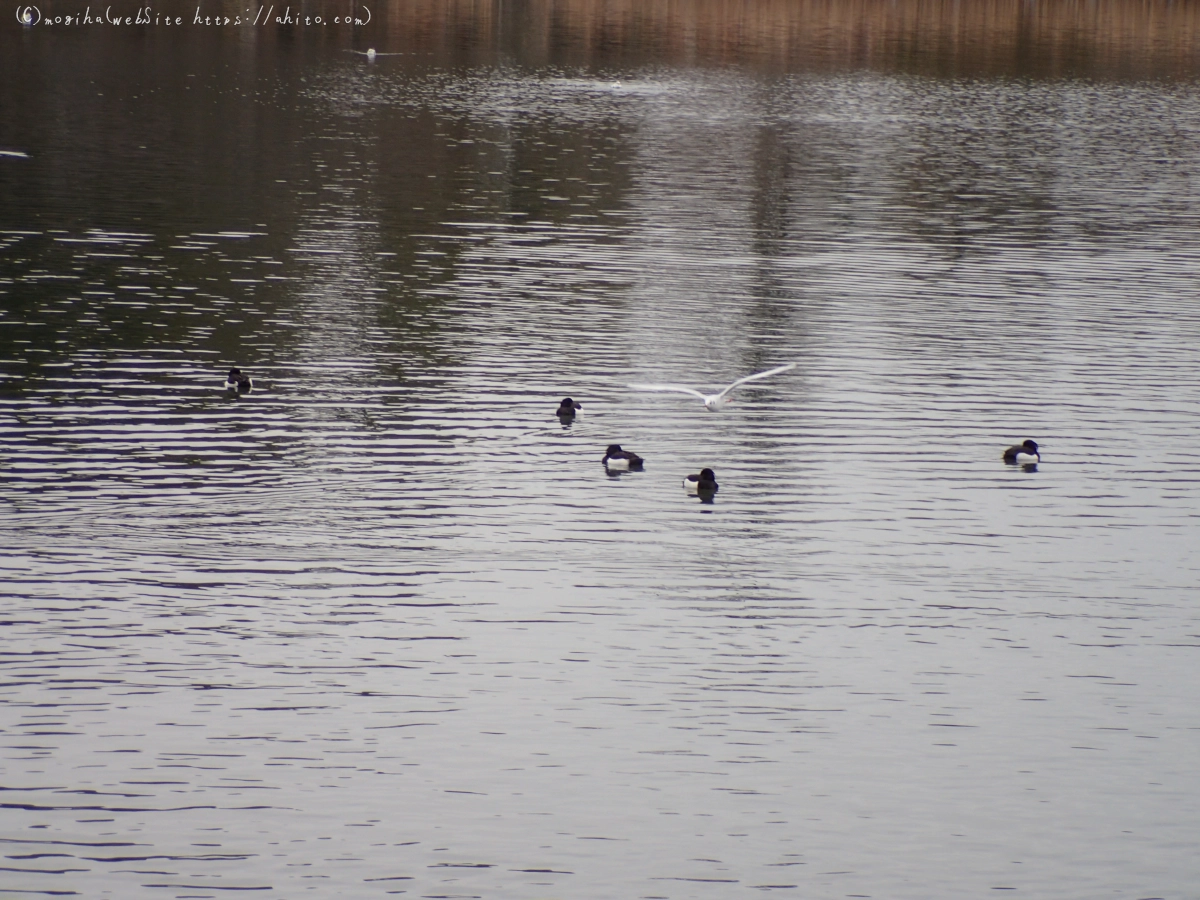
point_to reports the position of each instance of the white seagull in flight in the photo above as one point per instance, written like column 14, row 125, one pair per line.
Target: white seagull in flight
column 712, row 402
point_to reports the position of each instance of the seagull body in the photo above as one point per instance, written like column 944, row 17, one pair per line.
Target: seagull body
column 1023, row 454
column 704, row 483
column 238, row 382
column 621, row 460
column 712, row 402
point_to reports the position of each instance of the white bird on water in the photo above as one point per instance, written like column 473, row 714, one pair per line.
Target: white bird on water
column 712, row 402
column 371, row 53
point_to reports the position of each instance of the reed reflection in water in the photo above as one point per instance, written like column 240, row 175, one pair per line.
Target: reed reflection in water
column 384, row 625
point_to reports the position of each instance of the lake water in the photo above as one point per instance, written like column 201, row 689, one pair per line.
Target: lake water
column 385, row 625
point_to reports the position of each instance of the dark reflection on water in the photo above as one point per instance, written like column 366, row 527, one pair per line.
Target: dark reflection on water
column 386, row 626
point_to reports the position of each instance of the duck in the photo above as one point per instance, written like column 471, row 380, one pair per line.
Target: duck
column 239, row 382
column 712, row 402
column 616, row 458
column 1023, row 453
column 704, row 483
column 566, row 409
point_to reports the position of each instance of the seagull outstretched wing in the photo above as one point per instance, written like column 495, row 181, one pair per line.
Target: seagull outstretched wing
column 755, row 377
column 672, row 388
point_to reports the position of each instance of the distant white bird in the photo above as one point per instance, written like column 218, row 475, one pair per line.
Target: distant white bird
column 712, row 402
column 370, row 53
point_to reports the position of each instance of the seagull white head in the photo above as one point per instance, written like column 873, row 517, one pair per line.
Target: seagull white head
column 712, row 402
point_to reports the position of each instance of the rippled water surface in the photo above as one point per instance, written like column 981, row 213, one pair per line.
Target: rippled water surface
column 386, row 626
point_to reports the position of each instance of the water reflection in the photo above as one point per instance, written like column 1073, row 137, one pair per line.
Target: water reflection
column 940, row 39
